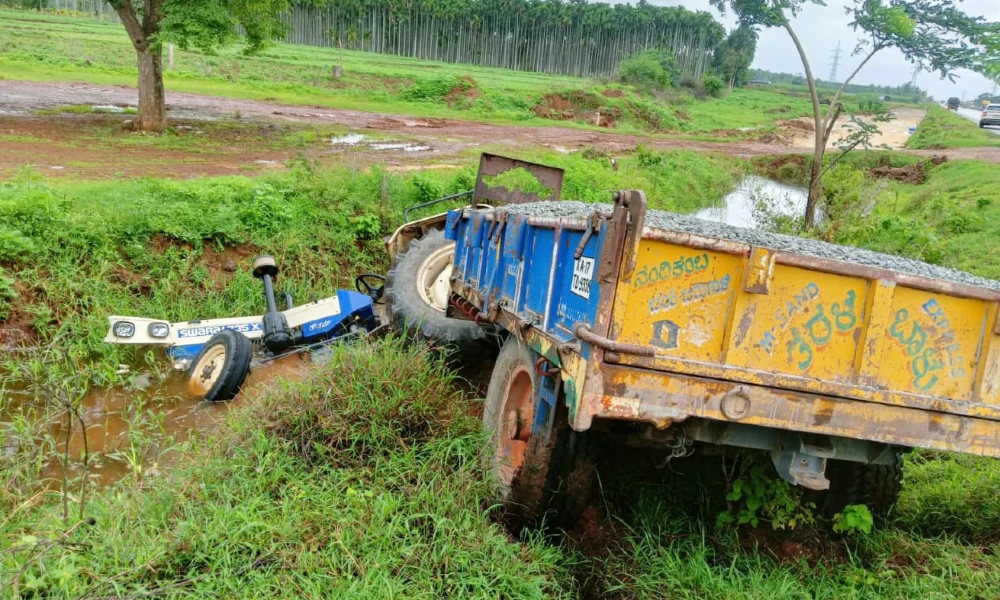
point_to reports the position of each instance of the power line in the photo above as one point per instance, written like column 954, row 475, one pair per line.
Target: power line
column 913, row 79
column 835, row 64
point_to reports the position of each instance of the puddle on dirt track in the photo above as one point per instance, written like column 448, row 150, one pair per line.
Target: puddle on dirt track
column 163, row 410
column 358, row 139
column 737, row 207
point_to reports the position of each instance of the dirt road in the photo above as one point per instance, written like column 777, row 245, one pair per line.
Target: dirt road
column 894, row 134
column 18, row 99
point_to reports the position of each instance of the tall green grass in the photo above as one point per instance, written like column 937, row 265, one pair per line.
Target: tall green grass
column 364, row 480
column 951, row 220
column 361, row 481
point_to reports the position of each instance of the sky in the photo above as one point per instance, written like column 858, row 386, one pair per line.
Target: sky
column 820, row 28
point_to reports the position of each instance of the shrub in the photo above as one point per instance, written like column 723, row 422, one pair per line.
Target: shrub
column 14, row 247
column 652, row 69
column 713, row 85
column 429, row 89
column 432, row 90
column 871, row 106
column 694, row 84
column 369, row 400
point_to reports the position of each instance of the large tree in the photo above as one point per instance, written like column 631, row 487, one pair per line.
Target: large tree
column 204, row 24
column 733, row 57
column 934, row 34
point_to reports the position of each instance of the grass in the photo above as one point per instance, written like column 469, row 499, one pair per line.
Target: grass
column 944, row 129
column 364, row 480
column 951, row 219
column 82, row 109
column 746, row 108
column 74, row 252
column 359, row 482
column 50, row 48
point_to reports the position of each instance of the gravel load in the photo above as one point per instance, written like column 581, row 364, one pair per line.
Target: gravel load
column 658, row 219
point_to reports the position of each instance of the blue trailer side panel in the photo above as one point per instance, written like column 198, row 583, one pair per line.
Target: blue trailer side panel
column 529, row 269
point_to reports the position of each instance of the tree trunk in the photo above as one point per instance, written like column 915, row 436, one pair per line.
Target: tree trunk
column 152, row 102
column 815, row 177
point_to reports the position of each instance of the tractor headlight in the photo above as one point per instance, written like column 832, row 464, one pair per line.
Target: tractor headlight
column 158, row 330
column 124, row 329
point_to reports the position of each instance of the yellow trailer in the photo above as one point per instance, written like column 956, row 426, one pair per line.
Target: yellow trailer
column 674, row 331
column 891, row 351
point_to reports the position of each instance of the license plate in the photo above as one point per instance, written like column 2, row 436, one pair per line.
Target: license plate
column 583, row 275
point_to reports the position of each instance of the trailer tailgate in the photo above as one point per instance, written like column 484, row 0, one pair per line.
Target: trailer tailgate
column 726, row 310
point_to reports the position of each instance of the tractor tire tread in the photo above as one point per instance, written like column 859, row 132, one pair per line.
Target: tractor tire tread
column 409, row 313
column 239, row 353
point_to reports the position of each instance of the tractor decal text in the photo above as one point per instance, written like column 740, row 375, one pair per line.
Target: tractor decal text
column 214, row 329
column 813, row 334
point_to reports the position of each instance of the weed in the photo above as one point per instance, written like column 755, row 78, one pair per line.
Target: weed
column 72, row 109
column 756, row 494
column 872, row 106
column 855, row 519
column 346, row 484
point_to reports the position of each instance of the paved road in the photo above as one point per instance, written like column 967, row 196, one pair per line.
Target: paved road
column 973, row 115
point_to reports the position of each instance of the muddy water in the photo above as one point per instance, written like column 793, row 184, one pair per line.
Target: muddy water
column 737, row 207
column 132, row 431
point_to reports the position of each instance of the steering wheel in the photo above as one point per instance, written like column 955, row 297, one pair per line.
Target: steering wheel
column 364, row 284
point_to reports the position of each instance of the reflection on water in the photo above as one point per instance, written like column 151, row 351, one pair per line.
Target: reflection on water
column 738, row 207
column 127, row 428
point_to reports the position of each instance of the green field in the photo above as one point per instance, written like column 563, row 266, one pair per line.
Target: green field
column 943, row 129
column 50, row 48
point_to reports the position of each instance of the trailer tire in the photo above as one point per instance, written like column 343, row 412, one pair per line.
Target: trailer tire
column 876, row 486
column 540, row 483
column 219, row 370
column 408, row 303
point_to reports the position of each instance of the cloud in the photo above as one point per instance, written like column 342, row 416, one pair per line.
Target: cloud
column 821, row 27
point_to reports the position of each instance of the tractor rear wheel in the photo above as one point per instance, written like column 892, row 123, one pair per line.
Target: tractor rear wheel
column 417, row 291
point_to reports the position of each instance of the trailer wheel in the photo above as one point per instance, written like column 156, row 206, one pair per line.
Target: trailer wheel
column 538, row 482
column 417, row 290
column 219, row 370
column 875, row 486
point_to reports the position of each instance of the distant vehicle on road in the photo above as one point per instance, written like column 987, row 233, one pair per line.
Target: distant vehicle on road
column 953, row 103
column 990, row 116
